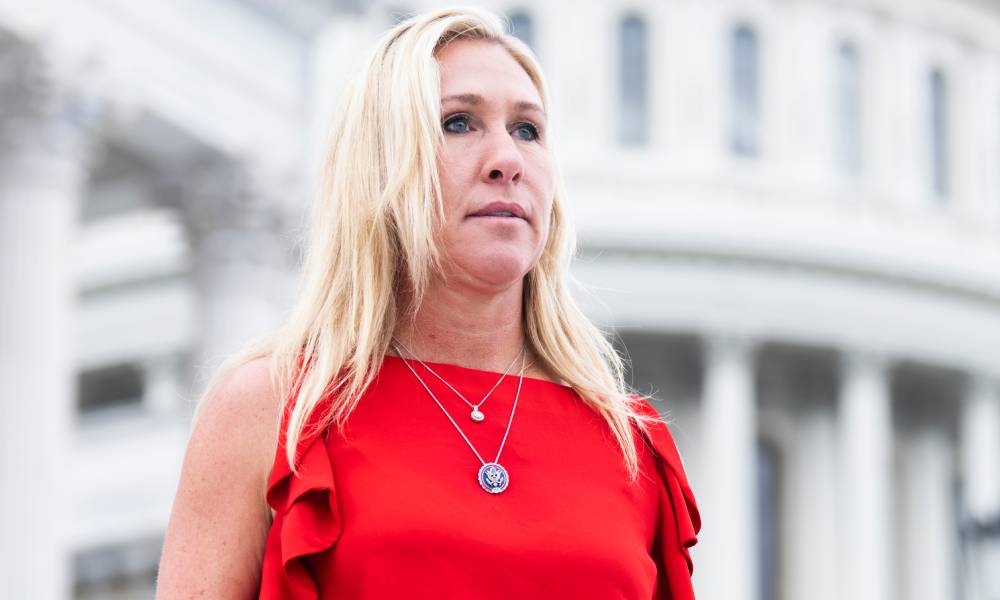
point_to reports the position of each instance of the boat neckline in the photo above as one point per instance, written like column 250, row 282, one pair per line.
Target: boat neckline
column 485, row 372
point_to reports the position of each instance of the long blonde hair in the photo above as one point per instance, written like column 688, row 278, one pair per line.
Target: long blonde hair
column 372, row 229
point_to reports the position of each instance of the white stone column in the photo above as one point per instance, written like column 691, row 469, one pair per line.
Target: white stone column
column 163, row 395
column 726, row 555
column 809, row 522
column 240, row 255
column 43, row 167
column 980, row 453
column 979, row 438
column 865, row 468
column 929, row 540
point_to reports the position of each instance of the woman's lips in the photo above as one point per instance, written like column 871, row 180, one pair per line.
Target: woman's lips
column 498, row 215
column 498, row 208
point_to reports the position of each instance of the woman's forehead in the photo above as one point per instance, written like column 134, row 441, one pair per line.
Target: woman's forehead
column 474, row 99
column 482, row 72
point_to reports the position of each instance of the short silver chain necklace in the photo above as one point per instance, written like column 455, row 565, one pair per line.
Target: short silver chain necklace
column 476, row 415
column 492, row 476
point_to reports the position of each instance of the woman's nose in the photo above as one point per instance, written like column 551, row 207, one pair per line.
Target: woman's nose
column 503, row 161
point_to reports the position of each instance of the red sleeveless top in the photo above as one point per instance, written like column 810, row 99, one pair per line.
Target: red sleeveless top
column 393, row 508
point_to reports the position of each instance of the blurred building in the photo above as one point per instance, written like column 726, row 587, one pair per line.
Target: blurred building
column 789, row 214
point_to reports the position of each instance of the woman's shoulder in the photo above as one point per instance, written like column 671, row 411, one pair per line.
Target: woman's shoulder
column 245, row 392
column 249, row 385
column 241, row 416
column 221, row 492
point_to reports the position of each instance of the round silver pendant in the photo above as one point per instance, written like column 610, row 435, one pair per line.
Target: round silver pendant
column 477, row 416
column 493, row 478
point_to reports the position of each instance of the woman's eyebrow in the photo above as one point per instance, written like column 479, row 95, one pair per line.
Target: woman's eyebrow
column 476, row 100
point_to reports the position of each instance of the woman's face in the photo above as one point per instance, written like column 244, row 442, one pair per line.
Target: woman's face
column 495, row 169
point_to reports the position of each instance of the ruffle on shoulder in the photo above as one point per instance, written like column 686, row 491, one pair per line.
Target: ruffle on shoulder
column 680, row 520
column 306, row 520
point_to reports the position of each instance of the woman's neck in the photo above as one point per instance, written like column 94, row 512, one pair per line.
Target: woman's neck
column 482, row 332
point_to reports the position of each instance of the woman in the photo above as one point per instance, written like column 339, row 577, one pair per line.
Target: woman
column 379, row 445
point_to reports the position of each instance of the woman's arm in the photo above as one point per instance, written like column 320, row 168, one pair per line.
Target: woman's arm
column 218, row 527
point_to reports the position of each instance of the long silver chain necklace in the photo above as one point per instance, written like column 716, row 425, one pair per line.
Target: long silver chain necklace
column 476, row 415
column 492, row 476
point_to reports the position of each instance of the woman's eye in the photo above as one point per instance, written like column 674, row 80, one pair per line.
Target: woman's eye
column 458, row 124
column 526, row 131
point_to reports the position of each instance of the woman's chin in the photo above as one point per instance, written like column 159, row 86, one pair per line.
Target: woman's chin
column 494, row 274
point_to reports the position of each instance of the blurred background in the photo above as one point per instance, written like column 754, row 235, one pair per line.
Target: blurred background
column 789, row 214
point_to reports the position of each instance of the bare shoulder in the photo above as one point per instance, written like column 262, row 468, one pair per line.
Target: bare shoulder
column 246, row 393
column 218, row 527
column 240, row 420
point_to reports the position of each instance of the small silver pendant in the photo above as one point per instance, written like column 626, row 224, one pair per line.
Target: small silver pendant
column 477, row 416
column 493, row 478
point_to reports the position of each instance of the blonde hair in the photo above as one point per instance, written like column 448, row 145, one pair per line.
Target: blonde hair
column 372, row 230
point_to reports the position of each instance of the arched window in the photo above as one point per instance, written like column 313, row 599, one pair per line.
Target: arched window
column 633, row 86
column 848, row 106
column 745, row 92
column 939, row 133
column 523, row 28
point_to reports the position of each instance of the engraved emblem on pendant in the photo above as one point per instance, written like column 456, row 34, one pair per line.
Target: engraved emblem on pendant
column 477, row 416
column 493, row 478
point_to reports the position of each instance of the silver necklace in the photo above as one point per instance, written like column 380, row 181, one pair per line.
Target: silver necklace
column 492, row 476
column 476, row 415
